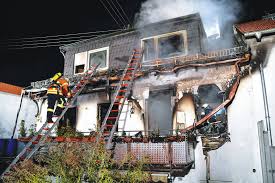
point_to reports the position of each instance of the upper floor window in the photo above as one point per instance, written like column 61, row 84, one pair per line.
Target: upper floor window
column 164, row 46
column 99, row 56
column 85, row 60
column 80, row 63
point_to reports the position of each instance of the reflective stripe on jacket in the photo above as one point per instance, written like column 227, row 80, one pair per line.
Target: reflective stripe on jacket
column 61, row 87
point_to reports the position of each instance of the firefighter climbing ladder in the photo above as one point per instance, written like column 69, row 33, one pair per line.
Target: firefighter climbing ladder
column 33, row 145
column 123, row 89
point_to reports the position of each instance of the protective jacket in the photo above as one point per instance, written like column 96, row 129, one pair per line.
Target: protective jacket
column 59, row 87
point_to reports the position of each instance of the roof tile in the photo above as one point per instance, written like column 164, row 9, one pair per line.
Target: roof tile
column 254, row 26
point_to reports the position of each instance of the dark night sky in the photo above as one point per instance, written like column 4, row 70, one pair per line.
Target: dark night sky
column 22, row 19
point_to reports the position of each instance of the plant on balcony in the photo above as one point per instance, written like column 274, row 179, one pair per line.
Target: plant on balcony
column 27, row 171
column 32, row 130
column 79, row 162
column 22, row 129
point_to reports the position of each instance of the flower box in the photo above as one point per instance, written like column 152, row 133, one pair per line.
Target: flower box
column 59, row 139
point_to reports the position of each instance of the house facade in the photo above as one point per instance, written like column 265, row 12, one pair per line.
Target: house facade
column 193, row 110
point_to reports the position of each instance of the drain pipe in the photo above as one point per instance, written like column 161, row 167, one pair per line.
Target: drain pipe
column 207, row 162
column 18, row 111
column 266, row 108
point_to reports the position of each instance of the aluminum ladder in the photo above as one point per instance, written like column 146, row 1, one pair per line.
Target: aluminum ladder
column 43, row 133
column 123, row 89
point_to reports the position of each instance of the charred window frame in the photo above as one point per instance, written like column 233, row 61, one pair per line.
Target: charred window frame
column 165, row 45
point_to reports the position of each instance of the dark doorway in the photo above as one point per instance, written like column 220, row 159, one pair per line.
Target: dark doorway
column 102, row 111
column 160, row 111
column 70, row 118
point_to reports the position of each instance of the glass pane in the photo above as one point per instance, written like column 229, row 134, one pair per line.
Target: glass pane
column 171, row 46
column 149, row 51
column 98, row 57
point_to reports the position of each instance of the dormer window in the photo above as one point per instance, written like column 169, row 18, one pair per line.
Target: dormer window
column 80, row 62
column 99, row 56
column 85, row 60
column 164, row 46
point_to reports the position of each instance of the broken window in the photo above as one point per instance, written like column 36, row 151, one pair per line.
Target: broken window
column 164, row 46
column 99, row 56
column 171, row 46
column 80, row 62
column 211, row 97
column 149, row 50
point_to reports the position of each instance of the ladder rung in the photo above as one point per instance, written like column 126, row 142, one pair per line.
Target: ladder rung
column 112, row 117
column 131, row 69
column 46, row 128
column 114, row 110
column 51, row 122
column 109, row 125
column 124, row 85
column 34, row 142
column 123, row 91
column 135, row 58
column 106, row 133
column 117, row 103
column 28, row 149
column 119, row 96
column 127, row 78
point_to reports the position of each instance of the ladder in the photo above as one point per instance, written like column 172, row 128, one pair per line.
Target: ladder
column 43, row 133
column 123, row 89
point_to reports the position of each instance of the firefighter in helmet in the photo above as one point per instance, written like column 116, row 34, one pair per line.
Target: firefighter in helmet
column 57, row 92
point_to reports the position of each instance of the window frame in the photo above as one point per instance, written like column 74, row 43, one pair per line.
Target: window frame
column 156, row 44
column 98, row 50
column 85, row 64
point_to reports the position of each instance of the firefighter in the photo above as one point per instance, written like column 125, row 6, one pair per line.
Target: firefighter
column 57, row 92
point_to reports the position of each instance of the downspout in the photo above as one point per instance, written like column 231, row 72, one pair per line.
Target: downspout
column 265, row 99
column 18, row 111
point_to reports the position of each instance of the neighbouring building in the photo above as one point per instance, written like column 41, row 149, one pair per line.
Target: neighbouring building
column 199, row 113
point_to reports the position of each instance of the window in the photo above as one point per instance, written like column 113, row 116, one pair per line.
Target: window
column 80, row 63
column 85, row 60
column 170, row 46
column 149, row 50
column 164, row 46
column 99, row 56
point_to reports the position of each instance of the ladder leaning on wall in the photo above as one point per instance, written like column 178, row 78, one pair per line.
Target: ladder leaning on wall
column 122, row 92
column 43, row 133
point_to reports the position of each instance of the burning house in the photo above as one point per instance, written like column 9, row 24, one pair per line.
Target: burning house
column 192, row 110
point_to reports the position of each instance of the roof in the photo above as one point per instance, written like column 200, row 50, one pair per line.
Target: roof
column 7, row 88
column 137, row 30
column 254, row 26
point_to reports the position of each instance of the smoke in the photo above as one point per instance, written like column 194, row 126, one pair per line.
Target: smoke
column 214, row 13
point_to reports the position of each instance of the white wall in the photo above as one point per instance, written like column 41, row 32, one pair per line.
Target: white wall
column 8, row 111
column 235, row 160
column 134, row 122
column 86, row 117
